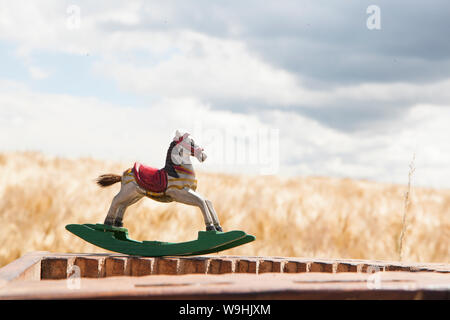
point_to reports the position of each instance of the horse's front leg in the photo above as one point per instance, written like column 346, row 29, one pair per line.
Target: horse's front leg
column 190, row 197
column 214, row 215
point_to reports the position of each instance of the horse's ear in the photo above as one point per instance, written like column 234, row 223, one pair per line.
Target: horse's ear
column 177, row 135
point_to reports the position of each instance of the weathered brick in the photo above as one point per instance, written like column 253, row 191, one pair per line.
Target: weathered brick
column 302, row 266
column 327, row 267
column 243, row 266
column 290, row 267
column 419, row 269
column 166, row 266
column 315, row 267
column 252, row 266
column 220, row 266
column 320, row 267
column 188, row 266
column 141, row 266
column 114, row 267
column 340, row 267
column 364, row 268
column 214, row 266
column 352, row 267
column 265, row 266
column 361, row 268
column 397, row 268
column 278, row 266
column 54, row 268
column 89, row 267
column 295, row 267
column 226, row 266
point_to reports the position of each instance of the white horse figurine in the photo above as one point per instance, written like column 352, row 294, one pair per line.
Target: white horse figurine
column 175, row 182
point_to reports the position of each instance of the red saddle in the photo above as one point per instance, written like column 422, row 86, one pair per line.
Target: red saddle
column 151, row 179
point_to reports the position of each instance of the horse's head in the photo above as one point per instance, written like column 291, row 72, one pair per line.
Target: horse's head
column 187, row 146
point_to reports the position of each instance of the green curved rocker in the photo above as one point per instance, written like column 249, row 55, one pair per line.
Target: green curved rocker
column 116, row 239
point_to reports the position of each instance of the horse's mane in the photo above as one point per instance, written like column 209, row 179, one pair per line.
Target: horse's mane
column 169, row 164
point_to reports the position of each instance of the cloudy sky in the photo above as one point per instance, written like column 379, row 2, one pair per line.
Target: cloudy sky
column 284, row 87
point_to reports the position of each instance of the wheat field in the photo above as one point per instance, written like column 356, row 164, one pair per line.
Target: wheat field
column 303, row 217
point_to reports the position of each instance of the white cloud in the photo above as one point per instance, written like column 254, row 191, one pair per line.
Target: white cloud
column 74, row 126
column 208, row 68
column 309, row 148
column 37, row 73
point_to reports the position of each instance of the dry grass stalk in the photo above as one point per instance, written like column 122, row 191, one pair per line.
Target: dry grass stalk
column 405, row 208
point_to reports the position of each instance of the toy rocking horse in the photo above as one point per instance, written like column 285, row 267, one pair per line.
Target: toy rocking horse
column 175, row 182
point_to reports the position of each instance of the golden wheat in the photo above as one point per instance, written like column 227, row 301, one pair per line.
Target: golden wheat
column 305, row 216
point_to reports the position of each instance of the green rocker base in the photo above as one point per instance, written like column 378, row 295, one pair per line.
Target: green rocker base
column 116, row 239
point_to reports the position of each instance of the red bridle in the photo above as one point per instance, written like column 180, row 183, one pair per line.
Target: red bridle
column 192, row 144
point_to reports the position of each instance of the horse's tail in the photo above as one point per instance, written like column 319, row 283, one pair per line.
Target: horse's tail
column 106, row 180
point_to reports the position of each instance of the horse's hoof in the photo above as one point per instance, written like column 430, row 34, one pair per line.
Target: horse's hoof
column 219, row 228
column 210, row 228
column 118, row 224
column 108, row 222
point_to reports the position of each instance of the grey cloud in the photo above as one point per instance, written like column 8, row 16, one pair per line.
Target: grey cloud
column 334, row 45
column 327, row 45
column 326, row 41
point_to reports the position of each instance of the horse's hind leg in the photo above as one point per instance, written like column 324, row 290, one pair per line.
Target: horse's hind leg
column 127, row 195
column 121, row 211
